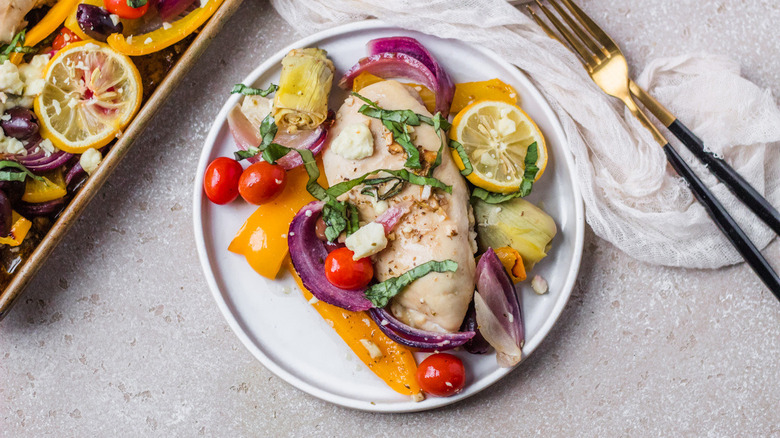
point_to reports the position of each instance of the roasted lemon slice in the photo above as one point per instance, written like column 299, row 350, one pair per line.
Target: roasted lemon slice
column 496, row 136
column 91, row 94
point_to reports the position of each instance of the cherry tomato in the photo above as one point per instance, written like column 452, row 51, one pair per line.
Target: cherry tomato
column 262, row 182
column 441, row 374
column 121, row 8
column 341, row 271
column 64, row 38
column 221, row 180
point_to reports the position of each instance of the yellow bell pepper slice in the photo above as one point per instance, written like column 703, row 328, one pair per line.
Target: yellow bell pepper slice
column 51, row 187
column 470, row 92
column 263, row 237
column 50, row 23
column 19, row 230
column 389, row 360
column 144, row 44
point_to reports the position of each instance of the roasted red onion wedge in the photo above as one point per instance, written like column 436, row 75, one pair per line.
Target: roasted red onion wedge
column 401, row 65
column 498, row 310
column 415, row 49
column 308, row 254
column 247, row 135
column 415, row 338
column 477, row 344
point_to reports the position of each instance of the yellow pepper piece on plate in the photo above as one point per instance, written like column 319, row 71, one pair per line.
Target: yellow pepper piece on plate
column 47, row 25
column 467, row 93
column 156, row 40
column 263, row 237
column 513, row 263
column 389, row 360
column 19, row 230
column 50, row 188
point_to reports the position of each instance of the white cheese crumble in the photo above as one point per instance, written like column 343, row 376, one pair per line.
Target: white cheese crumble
column 506, row 126
column 47, row 146
column 148, row 40
column 380, row 206
column 539, row 285
column 89, row 160
column 355, row 142
column 93, row 46
column 372, row 348
column 166, row 25
column 32, row 75
column 10, row 80
column 308, row 213
column 313, row 300
column 130, row 39
column 115, row 19
column 10, row 145
column 367, row 240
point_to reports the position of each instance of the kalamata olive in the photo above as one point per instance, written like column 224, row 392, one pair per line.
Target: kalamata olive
column 5, row 215
column 21, row 125
column 319, row 229
column 96, row 22
column 13, row 190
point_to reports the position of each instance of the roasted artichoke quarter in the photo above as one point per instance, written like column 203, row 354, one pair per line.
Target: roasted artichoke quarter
column 302, row 99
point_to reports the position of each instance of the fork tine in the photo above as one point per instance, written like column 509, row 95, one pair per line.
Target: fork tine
column 544, row 25
column 589, row 40
column 593, row 28
column 580, row 49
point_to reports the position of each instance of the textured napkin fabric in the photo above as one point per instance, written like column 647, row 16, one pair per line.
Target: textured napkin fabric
column 633, row 198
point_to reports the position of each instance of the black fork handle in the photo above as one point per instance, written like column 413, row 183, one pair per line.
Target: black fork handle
column 728, row 176
column 725, row 222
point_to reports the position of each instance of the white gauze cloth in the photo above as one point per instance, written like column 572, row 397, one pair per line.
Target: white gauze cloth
column 633, row 198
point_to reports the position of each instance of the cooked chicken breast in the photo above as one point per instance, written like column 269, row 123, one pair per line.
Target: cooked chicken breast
column 439, row 226
column 12, row 14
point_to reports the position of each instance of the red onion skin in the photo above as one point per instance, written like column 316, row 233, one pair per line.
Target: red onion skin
column 45, row 164
column 416, row 338
column 308, row 253
column 415, row 49
column 477, row 344
column 390, row 218
column 498, row 291
column 391, row 65
column 172, row 8
column 48, row 208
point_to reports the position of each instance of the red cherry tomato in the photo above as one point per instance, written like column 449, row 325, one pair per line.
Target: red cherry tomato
column 121, row 8
column 262, row 182
column 441, row 374
column 341, row 271
column 221, row 180
column 64, row 38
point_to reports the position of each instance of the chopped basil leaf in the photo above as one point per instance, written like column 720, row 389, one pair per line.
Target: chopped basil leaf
column 354, row 223
column 402, row 174
column 136, row 3
column 467, row 167
column 334, row 213
column 249, row 91
column 529, row 175
column 381, row 293
column 15, row 46
column 267, row 133
column 6, row 175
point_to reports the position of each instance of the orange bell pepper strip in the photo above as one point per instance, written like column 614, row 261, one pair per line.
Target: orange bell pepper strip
column 389, row 360
column 50, row 23
column 513, row 263
column 19, row 230
column 365, row 79
column 156, row 40
column 469, row 92
column 263, row 237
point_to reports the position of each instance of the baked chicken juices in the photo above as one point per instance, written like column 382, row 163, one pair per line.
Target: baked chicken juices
column 438, row 225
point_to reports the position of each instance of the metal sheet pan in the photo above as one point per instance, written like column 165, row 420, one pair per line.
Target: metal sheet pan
column 35, row 260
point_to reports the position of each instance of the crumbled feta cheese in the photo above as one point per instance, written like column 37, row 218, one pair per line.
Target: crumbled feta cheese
column 256, row 108
column 426, row 192
column 32, row 75
column 93, row 46
column 506, row 126
column 372, row 348
column 380, row 206
column 355, row 142
column 5, row 117
column 308, row 213
column 89, row 160
column 10, row 145
column 367, row 240
column 539, row 285
column 10, row 80
column 148, row 40
column 115, row 19
column 313, row 300
column 130, row 39
column 47, row 146
column 166, row 25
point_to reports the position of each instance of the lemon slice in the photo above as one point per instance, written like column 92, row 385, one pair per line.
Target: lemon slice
column 496, row 136
column 91, row 94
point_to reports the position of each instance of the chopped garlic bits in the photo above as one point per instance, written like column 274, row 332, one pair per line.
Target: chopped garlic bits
column 355, row 142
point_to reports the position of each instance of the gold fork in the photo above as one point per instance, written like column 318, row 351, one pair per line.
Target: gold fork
column 607, row 67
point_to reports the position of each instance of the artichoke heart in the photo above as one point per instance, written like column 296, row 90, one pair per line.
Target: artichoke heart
column 518, row 224
column 304, row 85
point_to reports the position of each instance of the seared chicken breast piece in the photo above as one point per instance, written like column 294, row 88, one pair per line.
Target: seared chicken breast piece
column 438, row 226
column 12, row 14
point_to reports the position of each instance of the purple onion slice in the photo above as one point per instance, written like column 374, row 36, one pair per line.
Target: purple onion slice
column 498, row 310
column 308, row 254
column 416, row 338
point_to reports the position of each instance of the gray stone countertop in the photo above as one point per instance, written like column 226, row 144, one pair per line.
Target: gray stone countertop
column 119, row 336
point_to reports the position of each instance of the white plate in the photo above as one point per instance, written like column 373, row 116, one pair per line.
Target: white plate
column 285, row 333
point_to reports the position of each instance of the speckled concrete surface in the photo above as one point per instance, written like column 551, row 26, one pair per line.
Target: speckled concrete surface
column 119, row 335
